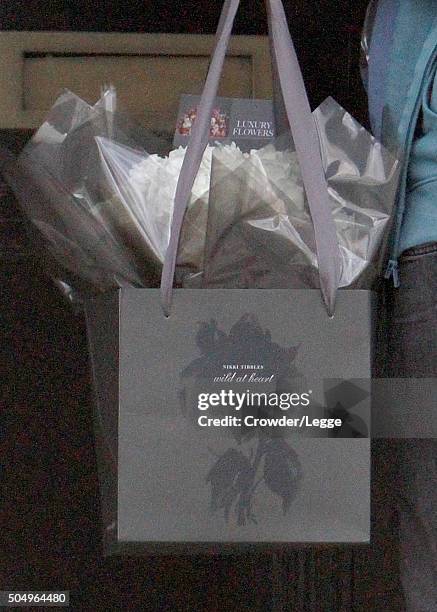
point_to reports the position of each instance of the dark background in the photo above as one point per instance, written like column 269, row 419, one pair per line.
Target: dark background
column 51, row 532
column 326, row 32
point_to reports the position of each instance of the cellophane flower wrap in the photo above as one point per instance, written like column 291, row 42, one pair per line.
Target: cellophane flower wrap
column 99, row 191
column 260, row 233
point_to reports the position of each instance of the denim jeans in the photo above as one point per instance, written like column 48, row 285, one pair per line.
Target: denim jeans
column 412, row 353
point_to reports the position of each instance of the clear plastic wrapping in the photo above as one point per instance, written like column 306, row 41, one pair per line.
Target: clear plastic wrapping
column 100, row 190
column 366, row 37
column 260, row 233
column 144, row 187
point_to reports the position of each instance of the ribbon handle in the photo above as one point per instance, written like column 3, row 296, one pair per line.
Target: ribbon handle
column 298, row 111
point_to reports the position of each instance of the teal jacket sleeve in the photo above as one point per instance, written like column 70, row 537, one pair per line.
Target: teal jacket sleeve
column 409, row 123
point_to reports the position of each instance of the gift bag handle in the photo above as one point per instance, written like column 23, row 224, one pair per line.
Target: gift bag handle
column 305, row 139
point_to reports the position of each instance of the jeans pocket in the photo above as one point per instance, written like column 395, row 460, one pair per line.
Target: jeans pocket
column 422, row 250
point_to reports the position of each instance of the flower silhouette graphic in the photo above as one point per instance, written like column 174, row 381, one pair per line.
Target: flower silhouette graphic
column 260, row 457
column 239, row 472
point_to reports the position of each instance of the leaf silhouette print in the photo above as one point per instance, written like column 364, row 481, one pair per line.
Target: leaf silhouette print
column 227, row 480
column 244, row 483
column 282, row 471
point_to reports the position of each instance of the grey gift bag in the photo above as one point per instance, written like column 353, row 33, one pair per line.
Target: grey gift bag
column 239, row 416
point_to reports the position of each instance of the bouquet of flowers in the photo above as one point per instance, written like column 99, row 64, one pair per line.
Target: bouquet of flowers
column 99, row 191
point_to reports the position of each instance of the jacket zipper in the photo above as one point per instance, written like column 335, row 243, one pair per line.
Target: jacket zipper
column 392, row 271
column 430, row 48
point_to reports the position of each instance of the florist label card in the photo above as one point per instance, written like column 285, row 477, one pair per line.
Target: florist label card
column 248, row 123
